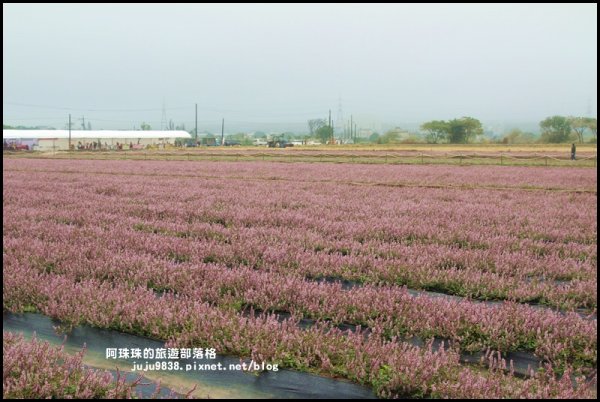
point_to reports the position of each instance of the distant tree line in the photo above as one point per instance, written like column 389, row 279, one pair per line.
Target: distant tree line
column 8, row 127
column 464, row 130
column 557, row 129
column 554, row 129
column 456, row 131
column 319, row 129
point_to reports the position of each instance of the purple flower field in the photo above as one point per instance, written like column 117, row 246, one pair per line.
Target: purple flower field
column 202, row 254
column 54, row 374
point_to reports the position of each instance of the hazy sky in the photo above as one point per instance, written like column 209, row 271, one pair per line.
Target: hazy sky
column 254, row 64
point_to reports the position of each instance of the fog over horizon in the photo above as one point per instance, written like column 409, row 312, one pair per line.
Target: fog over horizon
column 275, row 66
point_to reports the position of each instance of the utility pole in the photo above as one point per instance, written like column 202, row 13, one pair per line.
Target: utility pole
column 196, row 131
column 330, row 130
column 339, row 123
column 223, row 132
column 69, row 131
column 332, row 133
column 348, row 130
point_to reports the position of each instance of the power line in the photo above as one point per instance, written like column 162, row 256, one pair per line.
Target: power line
column 32, row 118
column 163, row 120
column 278, row 113
column 90, row 110
column 55, row 118
column 340, row 115
column 204, row 122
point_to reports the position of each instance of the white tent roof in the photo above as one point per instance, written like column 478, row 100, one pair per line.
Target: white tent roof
column 92, row 134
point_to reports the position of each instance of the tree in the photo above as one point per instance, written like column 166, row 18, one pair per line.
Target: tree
column 578, row 125
column 390, row 137
column 437, row 130
column 592, row 125
column 324, row 134
column 315, row 124
column 145, row 126
column 473, row 128
column 555, row 129
column 463, row 130
column 374, row 137
column 260, row 134
column 581, row 124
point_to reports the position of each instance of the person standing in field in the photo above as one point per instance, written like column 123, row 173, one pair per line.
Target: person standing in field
column 573, row 149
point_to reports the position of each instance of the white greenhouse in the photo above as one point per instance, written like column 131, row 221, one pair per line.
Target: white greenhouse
column 49, row 140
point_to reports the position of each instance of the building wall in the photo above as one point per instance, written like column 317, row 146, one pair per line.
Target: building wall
column 62, row 144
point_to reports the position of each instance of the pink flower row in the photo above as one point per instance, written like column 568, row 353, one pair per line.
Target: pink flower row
column 422, row 238
column 552, row 336
column 507, row 176
column 37, row 370
column 394, row 368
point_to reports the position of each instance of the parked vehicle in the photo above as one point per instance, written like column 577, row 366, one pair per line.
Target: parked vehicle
column 279, row 142
column 14, row 146
column 209, row 141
